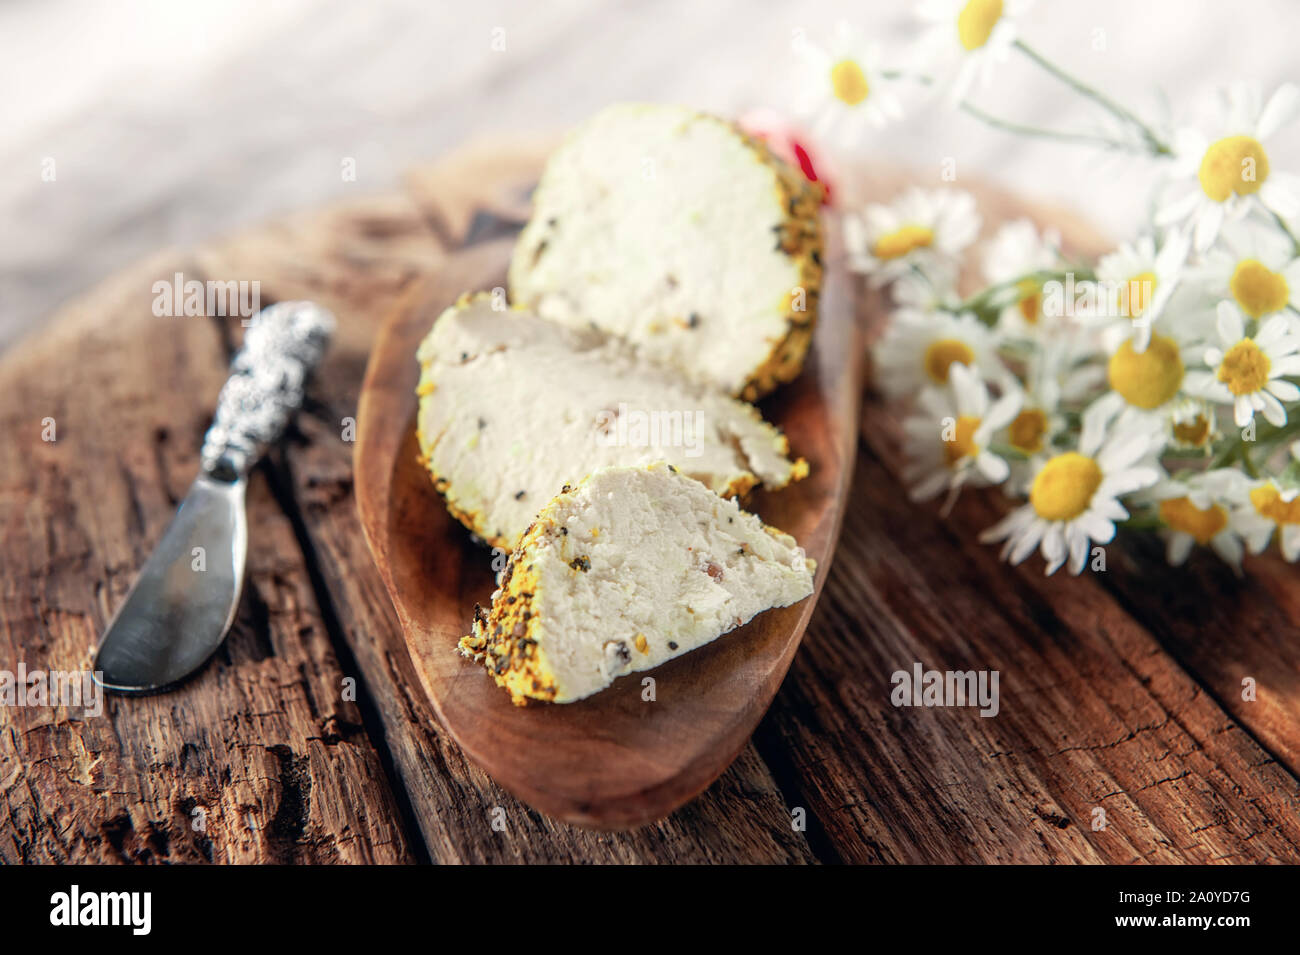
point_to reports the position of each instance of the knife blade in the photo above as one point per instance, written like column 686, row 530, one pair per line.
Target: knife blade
column 185, row 598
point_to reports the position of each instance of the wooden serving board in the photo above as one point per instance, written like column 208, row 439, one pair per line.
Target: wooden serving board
column 613, row 760
column 309, row 738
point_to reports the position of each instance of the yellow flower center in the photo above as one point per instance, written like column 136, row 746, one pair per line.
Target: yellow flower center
column 1268, row 502
column 896, row 244
column 1245, row 368
column 941, row 354
column 1135, row 296
column 1234, row 164
column 1147, row 379
column 963, row 440
column 1026, row 432
column 1031, row 300
column 849, row 83
column 976, row 21
column 1064, row 487
column 1182, row 515
column 1258, row 289
column 1193, row 433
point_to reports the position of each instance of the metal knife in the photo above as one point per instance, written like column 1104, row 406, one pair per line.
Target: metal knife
column 181, row 606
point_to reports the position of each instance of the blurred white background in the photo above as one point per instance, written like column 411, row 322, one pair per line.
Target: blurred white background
column 170, row 121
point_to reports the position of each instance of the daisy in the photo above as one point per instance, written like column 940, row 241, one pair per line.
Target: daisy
column 1232, row 172
column 1052, row 373
column 1148, row 386
column 948, row 438
column 918, row 349
column 1193, row 425
column 1136, row 282
column 1199, row 510
column 1255, row 267
column 844, row 92
column 966, row 39
column 1269, row 507
column 1248, row 371
column 922, row 229
column 1017, row 251
column 1074, row 498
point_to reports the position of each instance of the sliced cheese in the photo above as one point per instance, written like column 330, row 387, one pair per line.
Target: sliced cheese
column 630, row 568
column 513, row 407
column 679, row 233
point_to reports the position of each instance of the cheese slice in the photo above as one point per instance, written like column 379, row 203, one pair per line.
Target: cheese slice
column 681, row 234
column 513, row 408
column 630, row 568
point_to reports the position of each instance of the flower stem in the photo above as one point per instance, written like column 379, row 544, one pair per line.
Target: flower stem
column 1154, row 143
column 1271, row 437
column 986, row 303
column 1142, row 522
column 1024, row 130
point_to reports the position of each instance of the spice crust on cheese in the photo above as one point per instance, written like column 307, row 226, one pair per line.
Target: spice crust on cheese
column 680, row 233
column 630, row 568
column 513, row 407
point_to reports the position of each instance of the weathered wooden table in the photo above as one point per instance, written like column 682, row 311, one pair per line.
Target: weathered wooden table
column 1120, row 691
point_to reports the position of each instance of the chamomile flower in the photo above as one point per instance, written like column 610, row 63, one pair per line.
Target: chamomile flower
column 1233, row 171
column 966, row 39
column 1138, row 282
column 1031, row 433
column 923, row 229
column 1193, row 425
column 1199, row 510
column 1017, row 251
column 1271, row 507
column 1257, row 269
column 1248, row 371
column 918, row 349
column 844, row 92
column 1056, row 372
column 1146, row 387
column 948, row 437
column 1074, row 497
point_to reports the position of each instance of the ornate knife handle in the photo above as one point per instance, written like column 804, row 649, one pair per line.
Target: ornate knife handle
column 282, row 346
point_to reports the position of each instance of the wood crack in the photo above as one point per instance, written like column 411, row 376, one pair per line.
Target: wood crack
column 280, row 479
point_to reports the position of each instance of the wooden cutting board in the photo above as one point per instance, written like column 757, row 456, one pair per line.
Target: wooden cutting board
column 614, row 760
column 309, row 738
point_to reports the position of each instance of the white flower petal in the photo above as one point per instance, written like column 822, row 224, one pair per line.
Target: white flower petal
column 1274, row 413
column 1078, row 541
column 994, row 468
column 1281, row 110
column 1229, row 324
column 1272, row 331
column 1284, row 390
column 1242, row 412
column 1291, row 542
column 1208, row 224
column 1179, row 546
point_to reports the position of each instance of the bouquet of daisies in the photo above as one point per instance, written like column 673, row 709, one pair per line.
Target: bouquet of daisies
column 1154, row 388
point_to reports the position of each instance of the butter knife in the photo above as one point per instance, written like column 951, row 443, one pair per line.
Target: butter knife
column 182, row 604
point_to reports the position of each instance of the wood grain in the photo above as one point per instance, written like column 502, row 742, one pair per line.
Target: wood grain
column 1121, row 691
column 743, row 816
column 613, row 760
column 261, row 749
